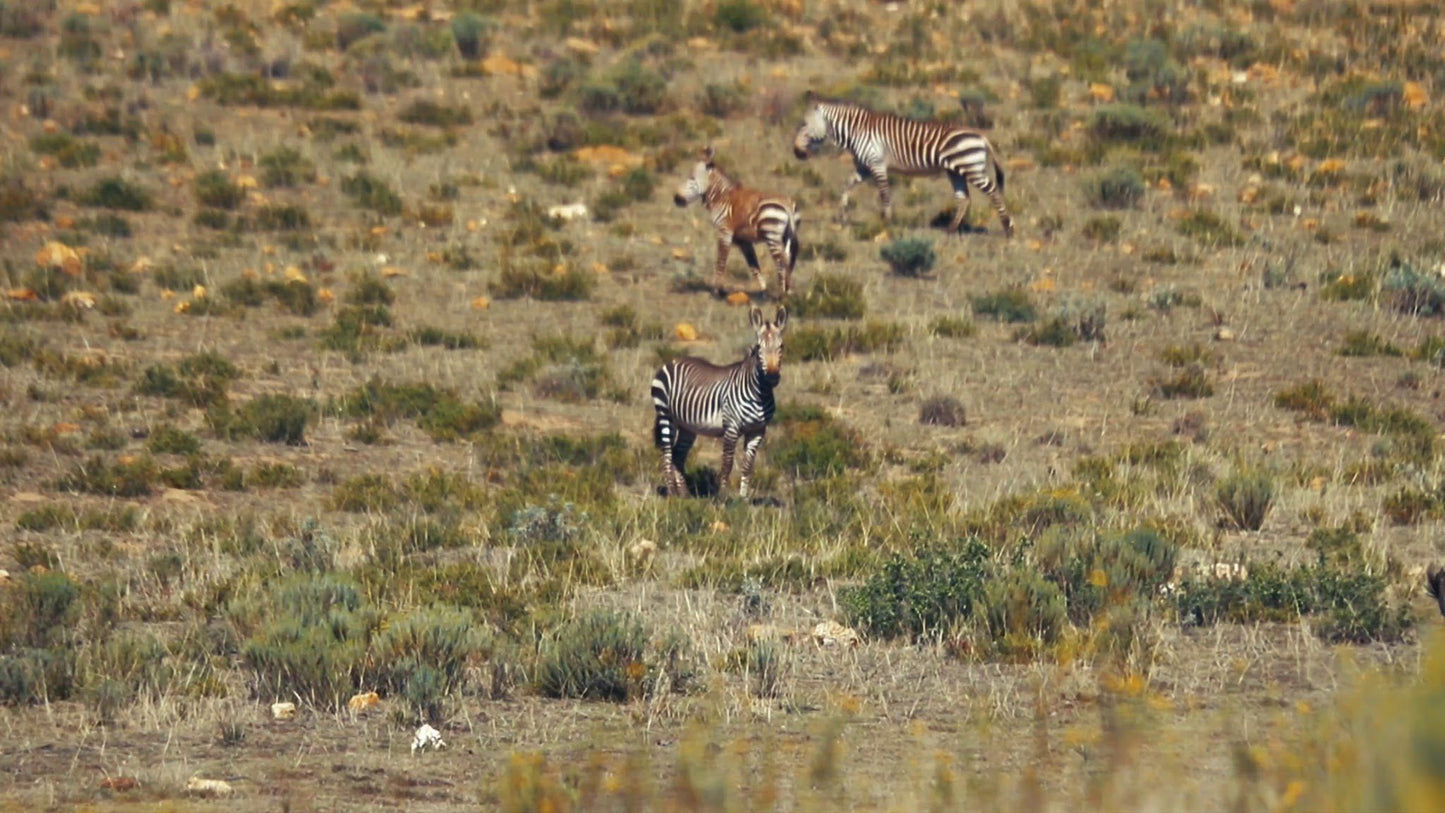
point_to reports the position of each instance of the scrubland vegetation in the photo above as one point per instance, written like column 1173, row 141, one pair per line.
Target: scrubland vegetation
column 314, row 387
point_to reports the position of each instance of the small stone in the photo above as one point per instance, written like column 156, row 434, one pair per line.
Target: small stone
column 1224, row 334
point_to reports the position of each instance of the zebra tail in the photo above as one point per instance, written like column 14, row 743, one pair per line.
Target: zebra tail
column 660, row 402
column 997, row 167
column 790, row 237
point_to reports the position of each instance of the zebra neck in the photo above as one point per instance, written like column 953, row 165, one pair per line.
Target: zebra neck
column 715, row 193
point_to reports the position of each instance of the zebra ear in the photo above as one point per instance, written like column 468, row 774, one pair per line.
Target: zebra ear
column 780, row 320
column 810, row 98
column 756, row 317
column 708, row 153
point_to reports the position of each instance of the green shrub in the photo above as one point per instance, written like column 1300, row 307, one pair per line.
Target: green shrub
column 739, row 16
column 201, row 379
column 31, row 676
column 721, row 100
column 909, row 256
column 167, row 439
column 1130, row 123
column 921, row 594
column 285, row 167
column 1244, row 499
column 136, row 477
column 1363, row 343
column 281, row 217
column 600, row 656
column 423, row 657
column 472, row 33
column 1021, row 609
column 1116, row 188
column 69, row 151
column 1104, row 229
column 116, row 193
column 1191, row 381
column 40, row 610
column 435, row 114
column 1153, row 74
column 438, row 412
column 216, row 189
column 354, row 26
column 1008, row 305
column 275, row 418
column 831, row 296
column 1413, row 292
column 534, row 282
column 952, row 327
column 829, row 343
column 1209, row 229
column 810, row 444
column 372, row 193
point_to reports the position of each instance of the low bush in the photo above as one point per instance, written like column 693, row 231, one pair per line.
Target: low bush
column 275, row 418
column 809, row 444
column 909, row 256
column 1116, row 188
column 831, row 296
column 1008, row 305
column 215, row 188
column 600, row 656
column 1244, row 499
column 829, row 343
column 116, row 193
column 921, row 594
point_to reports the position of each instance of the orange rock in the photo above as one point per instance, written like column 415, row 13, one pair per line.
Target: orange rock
column 1415, row 96
column 607, row 154
column 685, row 332
column 59, row 256
column 481, row 303
column 738, row 298
column 119, row 783
column 1100, row 92
column 362, row 702
column 21, row 295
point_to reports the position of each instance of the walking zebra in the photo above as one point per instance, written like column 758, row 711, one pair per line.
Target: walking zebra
column 882, row 142
column 742, row 217
column 696, row 397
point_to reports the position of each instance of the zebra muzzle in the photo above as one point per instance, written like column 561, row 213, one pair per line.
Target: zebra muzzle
column 679, row 200
column 800, row 152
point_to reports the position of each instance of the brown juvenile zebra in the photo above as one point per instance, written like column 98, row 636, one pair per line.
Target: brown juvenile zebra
column 882, row 142
column 742, row 217
column 694, row 397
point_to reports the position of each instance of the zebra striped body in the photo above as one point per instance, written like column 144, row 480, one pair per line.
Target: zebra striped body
column 734, row 402
column 882, row 143
column 742, row 217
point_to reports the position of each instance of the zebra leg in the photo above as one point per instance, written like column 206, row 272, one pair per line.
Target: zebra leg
column 680, row 449
column 664, row 434
column 961, row 201
column 1008, row 222
column 724, row 244
column 781, row 259
column 730, row 447
column 750, row 453
column 858, row 175
column 885, row 193
column 751, row 255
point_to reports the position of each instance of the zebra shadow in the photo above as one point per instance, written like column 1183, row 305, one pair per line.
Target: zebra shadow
column 704, row 482
column 941, row 220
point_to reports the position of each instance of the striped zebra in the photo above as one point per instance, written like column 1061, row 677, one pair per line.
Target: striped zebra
column 742, row 217
column 696, row 397
column 881, row 143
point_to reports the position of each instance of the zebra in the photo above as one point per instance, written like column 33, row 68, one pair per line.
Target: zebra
column 696, row 397
column 742, row 217
column 880, row 142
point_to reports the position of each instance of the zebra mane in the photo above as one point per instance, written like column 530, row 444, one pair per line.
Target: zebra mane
column 722, row 178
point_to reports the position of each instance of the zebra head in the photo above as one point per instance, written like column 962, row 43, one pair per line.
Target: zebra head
column 769, row 347
column 814, row 130
column 695, row 186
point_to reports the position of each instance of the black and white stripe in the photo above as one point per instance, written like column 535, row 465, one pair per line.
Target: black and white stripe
column 694, row 397
column 882, row 143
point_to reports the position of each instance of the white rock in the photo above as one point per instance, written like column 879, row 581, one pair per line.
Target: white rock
column 209, row 787
column 569, row 212
column 283, row 711
column 425, row 737
column 831, row 633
